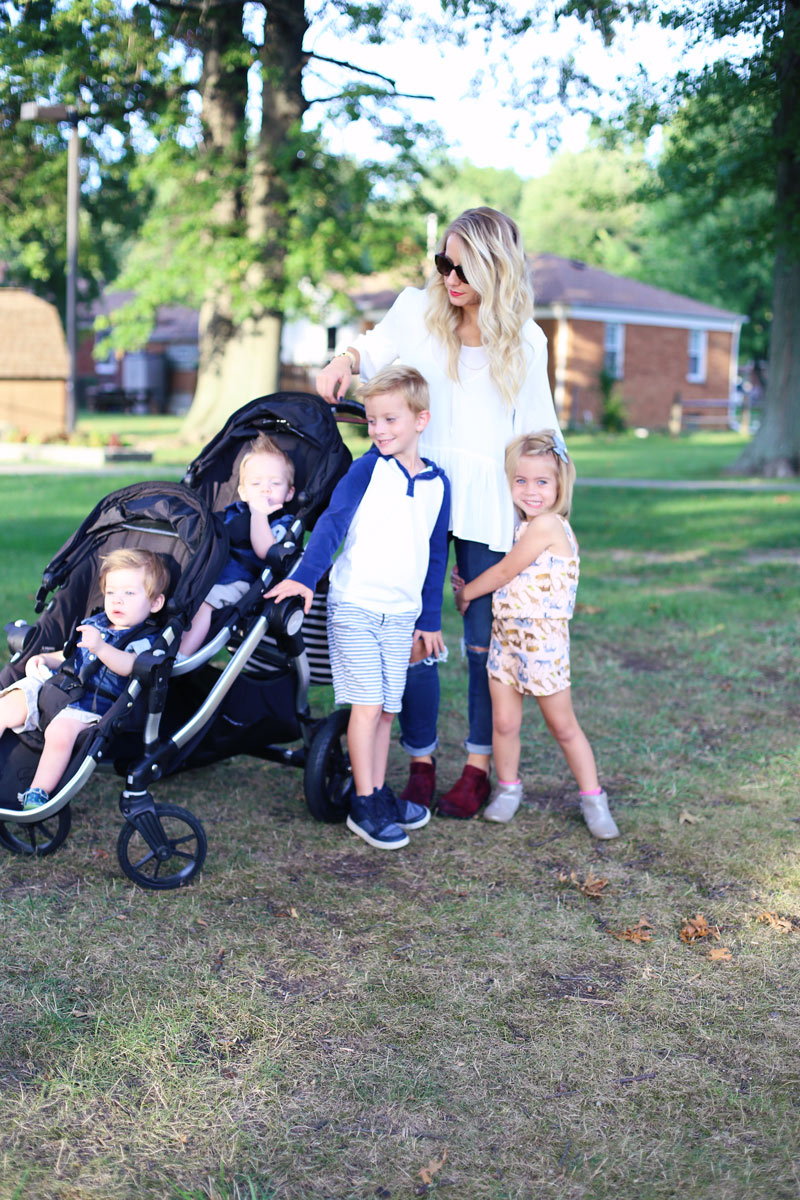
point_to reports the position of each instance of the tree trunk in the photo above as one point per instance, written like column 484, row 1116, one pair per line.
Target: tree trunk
column 775, row 449
column 240, row 361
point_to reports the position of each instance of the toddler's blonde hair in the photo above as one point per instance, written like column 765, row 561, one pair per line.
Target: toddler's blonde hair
column 546, row 441
column 130, row 558
column 265, row 445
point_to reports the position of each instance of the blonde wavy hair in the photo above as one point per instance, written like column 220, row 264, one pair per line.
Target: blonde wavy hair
column 532, row 445
column 493, row 259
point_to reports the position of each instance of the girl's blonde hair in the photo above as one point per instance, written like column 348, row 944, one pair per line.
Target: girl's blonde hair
column 265, row 445
column 156, row 571
column 546, row 441
column 493, row 259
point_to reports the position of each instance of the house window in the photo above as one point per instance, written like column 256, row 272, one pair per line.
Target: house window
column 614, row 350
column 698, row 345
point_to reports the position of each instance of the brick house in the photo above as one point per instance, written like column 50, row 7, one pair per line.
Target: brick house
column 34, row 365
column 657, row 345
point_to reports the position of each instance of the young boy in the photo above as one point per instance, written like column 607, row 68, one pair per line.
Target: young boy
column 133, row 583
column 393, row 510
column 255, row 522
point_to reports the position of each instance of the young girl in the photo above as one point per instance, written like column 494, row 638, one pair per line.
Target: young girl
column 534, row 589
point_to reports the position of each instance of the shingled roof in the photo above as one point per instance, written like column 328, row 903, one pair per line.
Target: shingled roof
column 571, row 284
column 32, row 342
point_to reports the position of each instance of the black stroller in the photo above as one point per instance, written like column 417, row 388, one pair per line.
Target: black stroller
column 180, row 714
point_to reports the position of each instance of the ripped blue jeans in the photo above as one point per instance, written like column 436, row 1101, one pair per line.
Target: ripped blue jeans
column 421, row 697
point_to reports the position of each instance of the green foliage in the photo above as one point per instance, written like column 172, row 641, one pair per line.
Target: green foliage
column 612, row 409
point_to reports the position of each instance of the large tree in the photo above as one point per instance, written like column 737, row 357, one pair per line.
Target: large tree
column 751, row 92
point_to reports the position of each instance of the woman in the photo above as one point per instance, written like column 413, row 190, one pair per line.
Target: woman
column 471, row 334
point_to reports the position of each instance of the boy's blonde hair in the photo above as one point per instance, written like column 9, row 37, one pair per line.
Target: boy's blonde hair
column 397, row 378
column 265, row 445
column 156, row 571
column 546, row 441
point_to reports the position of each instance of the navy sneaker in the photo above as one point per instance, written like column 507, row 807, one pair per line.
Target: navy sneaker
column 407, row 814
column 372, row 819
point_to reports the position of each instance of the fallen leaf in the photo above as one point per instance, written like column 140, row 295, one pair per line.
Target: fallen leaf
column 203, row 923
column 720, row 953
column 687, row 818
column 781, row 923
column 592, row 885
column 591, row 610
column 698, row 927
column 294, row 913
column 426, row 1174
column 642, row 931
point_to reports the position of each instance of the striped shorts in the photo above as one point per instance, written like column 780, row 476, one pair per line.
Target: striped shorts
column 369, row 655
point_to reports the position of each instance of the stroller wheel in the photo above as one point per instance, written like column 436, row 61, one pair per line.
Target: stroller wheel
column 42, row 837
column 164, row 851
column 328, row 779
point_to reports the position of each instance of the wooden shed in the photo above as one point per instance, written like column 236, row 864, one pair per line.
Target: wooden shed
column 34, row 365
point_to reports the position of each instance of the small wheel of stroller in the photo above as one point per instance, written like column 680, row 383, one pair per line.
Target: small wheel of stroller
column 182, row 848
column 328, row 779
column 38, row 838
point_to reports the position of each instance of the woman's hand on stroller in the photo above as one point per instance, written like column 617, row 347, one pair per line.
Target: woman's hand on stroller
column 290, row 587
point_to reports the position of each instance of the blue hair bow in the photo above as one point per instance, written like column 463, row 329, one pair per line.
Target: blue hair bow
column 560, row 447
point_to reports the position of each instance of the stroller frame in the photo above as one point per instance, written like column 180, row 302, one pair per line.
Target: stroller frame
column 171, row 844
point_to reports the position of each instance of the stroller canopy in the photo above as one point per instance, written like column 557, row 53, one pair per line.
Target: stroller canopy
column 302, row 425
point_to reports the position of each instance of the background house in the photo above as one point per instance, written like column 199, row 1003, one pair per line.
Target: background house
column 656, row 346
column 159, row 378
column 34, row 365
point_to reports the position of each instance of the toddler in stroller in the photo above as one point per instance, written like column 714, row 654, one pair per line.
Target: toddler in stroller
column 133, row 583
column 178, row 714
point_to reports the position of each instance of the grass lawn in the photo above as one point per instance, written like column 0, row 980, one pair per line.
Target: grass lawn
column 604, row 456
column 494, row 1013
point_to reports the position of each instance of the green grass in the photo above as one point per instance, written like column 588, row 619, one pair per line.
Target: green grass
column 691, row 456
column 316, row 1019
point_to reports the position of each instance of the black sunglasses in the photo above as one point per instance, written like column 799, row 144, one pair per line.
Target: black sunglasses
column 445, row 265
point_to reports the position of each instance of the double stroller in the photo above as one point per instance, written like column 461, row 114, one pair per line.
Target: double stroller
column 177, row 714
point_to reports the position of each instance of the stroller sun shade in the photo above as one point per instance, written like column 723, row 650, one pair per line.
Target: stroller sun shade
column 302, row 425
column 161, row 516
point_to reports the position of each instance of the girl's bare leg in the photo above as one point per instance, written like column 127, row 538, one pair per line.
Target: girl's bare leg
column 506, row 725
column 563, row 724
column 59, row 742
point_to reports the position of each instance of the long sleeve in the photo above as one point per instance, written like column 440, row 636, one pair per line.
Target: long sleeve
column 430, row 618
column 534, row 408
column 331, row 528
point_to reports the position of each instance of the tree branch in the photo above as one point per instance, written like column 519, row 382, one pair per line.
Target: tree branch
column 337, row 62
column 394, row 95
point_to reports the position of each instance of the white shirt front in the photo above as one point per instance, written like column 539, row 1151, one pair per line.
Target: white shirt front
column 470, row 426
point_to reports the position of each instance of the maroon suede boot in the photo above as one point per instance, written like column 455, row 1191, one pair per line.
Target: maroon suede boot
column 421, row 786
column 467, row 796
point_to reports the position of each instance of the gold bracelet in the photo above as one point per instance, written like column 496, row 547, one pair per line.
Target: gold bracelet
column 349, row 355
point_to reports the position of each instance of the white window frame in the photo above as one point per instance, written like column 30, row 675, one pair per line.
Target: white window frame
column 614, row 349
column 698, row 355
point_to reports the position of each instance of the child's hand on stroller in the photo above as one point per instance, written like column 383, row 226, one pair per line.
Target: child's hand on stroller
column 291, row 587
column 432, row 641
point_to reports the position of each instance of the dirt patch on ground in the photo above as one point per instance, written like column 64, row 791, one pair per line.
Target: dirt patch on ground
column 588, row 982
column 774, row 558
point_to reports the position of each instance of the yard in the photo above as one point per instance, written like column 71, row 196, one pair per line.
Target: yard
column 494, row 1013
